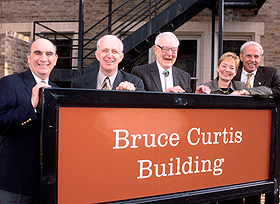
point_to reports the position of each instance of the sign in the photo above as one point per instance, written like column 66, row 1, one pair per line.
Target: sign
column 110, row 154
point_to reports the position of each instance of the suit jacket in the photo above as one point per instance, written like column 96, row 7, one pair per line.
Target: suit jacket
column 263, row 92
column 19, row 135
column 265, row 76
column 89, row 80
column 150, row 76
column 233, row 86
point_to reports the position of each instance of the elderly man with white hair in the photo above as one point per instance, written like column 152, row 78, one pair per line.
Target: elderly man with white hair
column 161, row 75
column 254, row 75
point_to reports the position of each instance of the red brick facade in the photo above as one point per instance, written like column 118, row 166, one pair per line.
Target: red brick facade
column 17, row 12
column 13, row 49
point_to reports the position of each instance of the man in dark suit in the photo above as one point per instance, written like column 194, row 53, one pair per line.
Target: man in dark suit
column 109, row 53
column 161, row 75
column 252, row 73
column 20, row 125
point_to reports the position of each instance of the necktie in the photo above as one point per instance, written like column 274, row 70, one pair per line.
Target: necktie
column 165, row 74
column 248, row 80
column 106, row 84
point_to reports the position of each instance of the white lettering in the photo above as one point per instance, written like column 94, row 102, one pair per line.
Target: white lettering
column 189, row 136
column 142, row 169
column 148, row 169
column 123, row 140
column 118, row 139
column 195, row 136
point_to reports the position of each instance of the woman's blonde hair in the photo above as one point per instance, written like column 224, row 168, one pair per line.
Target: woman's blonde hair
column 231, row 55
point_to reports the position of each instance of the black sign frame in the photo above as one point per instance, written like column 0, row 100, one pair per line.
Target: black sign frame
column 52, row 99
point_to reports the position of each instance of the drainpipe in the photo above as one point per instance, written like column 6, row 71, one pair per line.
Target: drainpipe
column 213, row 45
column 110, row 16
column 221, row 26
column 81, row 38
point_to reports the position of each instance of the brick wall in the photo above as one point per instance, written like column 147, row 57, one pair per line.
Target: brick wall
column 269, row 14
column 23, row 11
column 13, row 48
column 2, row 54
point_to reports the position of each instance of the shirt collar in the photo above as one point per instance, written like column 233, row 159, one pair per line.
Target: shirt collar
column 38, row 80
column 216, row 87
column 160, row 69
column 102, row 76
column 245, row 73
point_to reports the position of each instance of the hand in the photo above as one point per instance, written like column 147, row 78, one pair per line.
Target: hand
column 175, row 89
column 35, row 93
column 202, row 89
column 126, row 86
column 239, row 93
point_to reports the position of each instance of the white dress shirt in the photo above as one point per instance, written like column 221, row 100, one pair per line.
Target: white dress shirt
column 244, row 77
column 101, row 79
column 169, row 79
column 38, row 80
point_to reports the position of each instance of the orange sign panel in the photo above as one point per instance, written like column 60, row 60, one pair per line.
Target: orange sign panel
column 109, row 154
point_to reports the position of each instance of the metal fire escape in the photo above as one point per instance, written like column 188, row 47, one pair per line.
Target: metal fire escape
column 158, row 15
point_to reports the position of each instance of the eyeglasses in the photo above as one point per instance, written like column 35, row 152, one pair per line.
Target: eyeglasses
column 164, row 49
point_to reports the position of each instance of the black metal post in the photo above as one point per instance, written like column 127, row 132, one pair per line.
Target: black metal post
column 213, row 46
column 81, row 38
column 221, row 26
column 34, row 26
column 110, row 16
column 273, row 197
column 155, row 7
column 150, row 16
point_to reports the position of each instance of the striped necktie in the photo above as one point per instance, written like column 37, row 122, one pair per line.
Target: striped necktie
column 248, row 85
column 106, row 84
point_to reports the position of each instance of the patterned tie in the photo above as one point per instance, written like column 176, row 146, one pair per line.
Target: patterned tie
column 248, row 85
column 106, row 84
column 165, row 74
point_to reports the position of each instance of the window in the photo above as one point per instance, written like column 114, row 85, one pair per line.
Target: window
column 233, row 46
column 64, row 52
column 187, row 59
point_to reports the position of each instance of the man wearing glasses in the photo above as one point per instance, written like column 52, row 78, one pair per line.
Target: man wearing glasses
column 161, row 75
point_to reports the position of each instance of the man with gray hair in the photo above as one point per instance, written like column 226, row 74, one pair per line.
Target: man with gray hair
column 161, row 75
column 109, row 53
column 20, row 125
column 254, row 75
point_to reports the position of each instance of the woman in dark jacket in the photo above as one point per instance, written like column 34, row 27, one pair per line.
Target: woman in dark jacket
column 223, row 84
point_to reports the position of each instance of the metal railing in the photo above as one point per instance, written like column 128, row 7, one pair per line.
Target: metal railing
column 123, row 21
column 127, row 16
column 44, row 29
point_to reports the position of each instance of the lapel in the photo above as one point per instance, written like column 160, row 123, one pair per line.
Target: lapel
column 175, row 76
column 155, row 76
column 237, row 77
column 29, row 81
column 259, row 78
column 236, row 85
column 119, row 78
column 52, row 84
column 91, row 79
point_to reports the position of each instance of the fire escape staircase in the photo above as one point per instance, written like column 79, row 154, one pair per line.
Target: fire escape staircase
column 138, row 42
column 159, row 15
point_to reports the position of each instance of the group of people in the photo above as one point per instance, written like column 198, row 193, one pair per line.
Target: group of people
column 251, row 79
column 19, row 96
column 162, row 76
